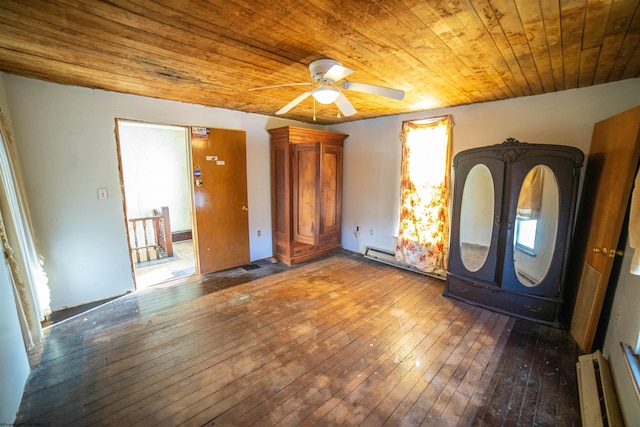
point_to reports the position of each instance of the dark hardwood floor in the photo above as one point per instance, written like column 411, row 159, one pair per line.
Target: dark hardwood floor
column 339, row 341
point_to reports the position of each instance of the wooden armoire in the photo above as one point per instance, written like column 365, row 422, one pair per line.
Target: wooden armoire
column 306, row 192
column 513, row 210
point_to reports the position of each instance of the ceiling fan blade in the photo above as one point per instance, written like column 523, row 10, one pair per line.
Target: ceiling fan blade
column 337, row 73
column 282, row 85
column 295, row 102
column 345, row 107
column 373, row 89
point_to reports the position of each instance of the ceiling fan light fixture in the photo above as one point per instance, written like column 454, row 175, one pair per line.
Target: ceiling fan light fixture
column 326, row 95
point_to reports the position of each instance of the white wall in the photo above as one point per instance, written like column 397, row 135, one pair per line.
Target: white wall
column 14, row 364
column 67, row 147
column 373, row 150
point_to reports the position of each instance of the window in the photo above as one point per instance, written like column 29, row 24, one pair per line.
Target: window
column 633, row 363
column 526, row 235
column 423, row 237
column 529, row 210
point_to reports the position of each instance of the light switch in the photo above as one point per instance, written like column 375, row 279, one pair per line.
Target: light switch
column 103, row 193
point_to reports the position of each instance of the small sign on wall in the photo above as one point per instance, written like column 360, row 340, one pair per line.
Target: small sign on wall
column 199, row 132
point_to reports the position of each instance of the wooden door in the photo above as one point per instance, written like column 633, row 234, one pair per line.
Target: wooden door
column 611, row 168
column 220, row 195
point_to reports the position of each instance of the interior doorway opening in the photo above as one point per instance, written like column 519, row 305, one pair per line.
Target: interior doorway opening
column 155, row 177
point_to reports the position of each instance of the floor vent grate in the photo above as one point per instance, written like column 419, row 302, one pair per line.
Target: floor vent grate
column 249, row 267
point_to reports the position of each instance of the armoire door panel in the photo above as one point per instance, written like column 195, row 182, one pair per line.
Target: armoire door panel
column 306, row 188
column 539, row 270
column 482, row 200
column 331, row 194
column 280, row 180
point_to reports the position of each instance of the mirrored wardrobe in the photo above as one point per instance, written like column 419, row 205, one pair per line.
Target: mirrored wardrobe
column 513, row 213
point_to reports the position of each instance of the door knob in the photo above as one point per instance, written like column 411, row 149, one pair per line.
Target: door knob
column 612, row 253
column 244, row 208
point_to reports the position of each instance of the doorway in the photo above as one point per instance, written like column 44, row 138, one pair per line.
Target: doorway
column 155, row 170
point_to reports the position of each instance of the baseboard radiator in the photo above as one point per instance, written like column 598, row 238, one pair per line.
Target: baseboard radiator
column 388, row 257
column 598, row 401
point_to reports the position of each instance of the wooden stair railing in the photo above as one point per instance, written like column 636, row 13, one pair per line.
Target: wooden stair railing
column 163, row 230
column 150, row 236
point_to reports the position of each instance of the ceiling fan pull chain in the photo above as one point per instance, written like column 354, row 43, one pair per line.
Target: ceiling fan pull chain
column 314, row 109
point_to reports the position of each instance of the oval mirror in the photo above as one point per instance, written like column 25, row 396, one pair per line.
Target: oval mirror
column 536, row 225
column 476, row 217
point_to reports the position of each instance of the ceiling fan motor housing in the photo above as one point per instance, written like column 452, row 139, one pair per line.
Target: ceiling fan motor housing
column 327, row 73
column 318, row 68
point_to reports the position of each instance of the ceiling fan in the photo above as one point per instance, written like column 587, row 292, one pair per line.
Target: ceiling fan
column 328, row 75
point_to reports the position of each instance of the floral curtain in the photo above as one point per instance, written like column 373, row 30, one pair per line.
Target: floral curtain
column 18, row 244
column 423, row 237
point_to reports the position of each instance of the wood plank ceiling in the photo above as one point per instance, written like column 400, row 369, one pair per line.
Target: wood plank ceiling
column 210, row 52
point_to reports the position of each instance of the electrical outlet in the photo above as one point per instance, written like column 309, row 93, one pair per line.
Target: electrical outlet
column 617, row 318
column 371, row 231
column 259, row 233
column 103, row 193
